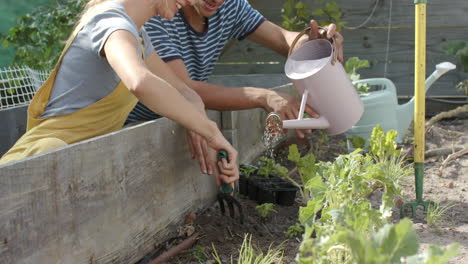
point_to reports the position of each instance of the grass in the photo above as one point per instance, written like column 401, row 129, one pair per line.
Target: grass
column 436, row 211
column 249, row 255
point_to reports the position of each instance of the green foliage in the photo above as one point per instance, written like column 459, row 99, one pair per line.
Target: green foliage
column 435, row 212
column 346, row 230
column 39, row 37
column 305, row 167
column 295, row 14
column 332, row 13
column 351, row 66
column 458, row 48
column 382, row 145
column 267, row 167
column 200, row 254
column 295, row 230
column 434, row 255
column 357, row 142
column 388, row 245
column 265, row 209
column 248, row 254
column 247, row 170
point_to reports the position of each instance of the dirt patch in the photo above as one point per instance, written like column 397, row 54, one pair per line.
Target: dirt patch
column 446, row 185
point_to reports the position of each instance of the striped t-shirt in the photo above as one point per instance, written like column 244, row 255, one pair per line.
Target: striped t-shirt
column 176, row 39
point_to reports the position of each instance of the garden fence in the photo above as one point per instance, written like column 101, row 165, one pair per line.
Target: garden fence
column 18, row 85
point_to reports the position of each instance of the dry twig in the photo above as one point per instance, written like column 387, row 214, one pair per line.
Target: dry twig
column 187, row 243
column 441, row 152
column 459, row 110
column 451, row 157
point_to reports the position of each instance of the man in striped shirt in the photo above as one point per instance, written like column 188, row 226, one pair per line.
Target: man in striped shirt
column 192, row 42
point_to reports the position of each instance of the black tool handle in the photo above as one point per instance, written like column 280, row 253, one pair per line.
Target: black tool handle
column 225, row 187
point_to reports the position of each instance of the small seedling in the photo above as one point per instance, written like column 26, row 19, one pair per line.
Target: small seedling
column 267, row 167
column 295, row 230
column 200, row 254
column 249, row 254
column 247, row 170
column 265, row 209
column 435, row 212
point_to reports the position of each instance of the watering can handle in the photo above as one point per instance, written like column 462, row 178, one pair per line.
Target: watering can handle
column 321, row 32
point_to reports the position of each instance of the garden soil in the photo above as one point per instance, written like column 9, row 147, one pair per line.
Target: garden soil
column 446, row 184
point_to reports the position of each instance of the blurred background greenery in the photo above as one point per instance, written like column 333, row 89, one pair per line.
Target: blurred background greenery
column 9, row 12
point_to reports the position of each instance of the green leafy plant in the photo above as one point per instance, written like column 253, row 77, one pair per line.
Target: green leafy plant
column 39, row 37
column 351, row 66
column 436, row 211
column 295, row 230
column 357, row 142
column 391, row 244
column 459, row 48
column 332, row 14
column 247, row 170
column 265, row 209
column 296, row 14
column 305, row 167
column 267, row 167
column 434, row 255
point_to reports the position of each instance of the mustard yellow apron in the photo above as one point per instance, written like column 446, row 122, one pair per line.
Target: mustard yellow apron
column 44, row 134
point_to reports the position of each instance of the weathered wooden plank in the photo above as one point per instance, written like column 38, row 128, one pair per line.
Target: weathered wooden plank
column 110, row 199
column 113, row 198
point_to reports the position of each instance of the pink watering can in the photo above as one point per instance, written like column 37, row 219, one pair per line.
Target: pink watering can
column 317, row 75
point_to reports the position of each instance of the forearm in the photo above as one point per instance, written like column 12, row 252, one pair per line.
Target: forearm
column 162, row 98
column 219, row 97
column 159, row 68
column 275, row 37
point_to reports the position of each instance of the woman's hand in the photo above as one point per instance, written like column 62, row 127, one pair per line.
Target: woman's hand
column 199, row 149
column 228, row 170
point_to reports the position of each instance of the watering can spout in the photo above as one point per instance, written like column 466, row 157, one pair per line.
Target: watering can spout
column 307, row 123
column 405, row 111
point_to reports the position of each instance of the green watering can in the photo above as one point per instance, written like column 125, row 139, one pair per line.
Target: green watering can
column 381, row 107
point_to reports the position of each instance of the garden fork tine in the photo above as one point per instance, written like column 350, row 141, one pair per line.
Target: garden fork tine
column 224, row 195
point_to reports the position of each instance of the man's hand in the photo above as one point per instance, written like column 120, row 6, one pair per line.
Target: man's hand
column 287, row 107
column 329, row 33
column 199, row 149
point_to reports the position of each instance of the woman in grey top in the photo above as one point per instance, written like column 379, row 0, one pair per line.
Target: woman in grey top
column 104, row 70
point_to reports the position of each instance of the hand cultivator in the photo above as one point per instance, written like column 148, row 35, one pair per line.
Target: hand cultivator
column 224, row 195
column 419, row 107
